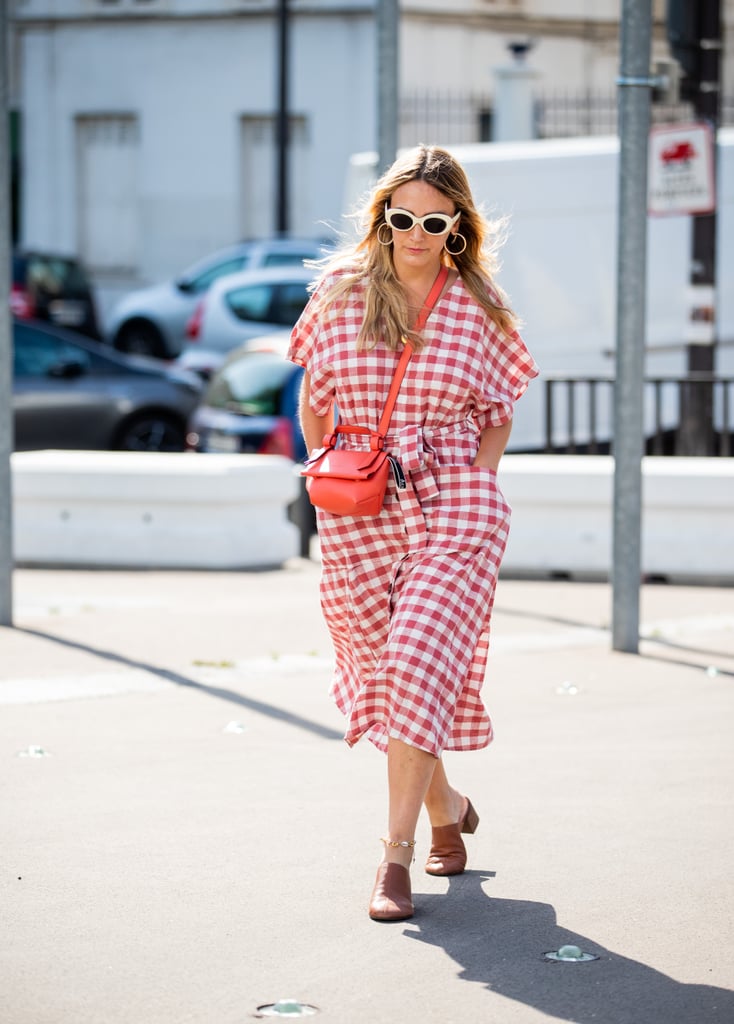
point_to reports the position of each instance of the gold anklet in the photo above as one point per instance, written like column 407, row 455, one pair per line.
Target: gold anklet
column 405, row 844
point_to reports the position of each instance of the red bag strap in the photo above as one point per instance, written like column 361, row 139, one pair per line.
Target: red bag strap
column 431, row 299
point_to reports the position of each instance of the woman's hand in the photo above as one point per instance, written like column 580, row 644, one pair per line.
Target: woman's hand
column 313, row 427
column 492, row 445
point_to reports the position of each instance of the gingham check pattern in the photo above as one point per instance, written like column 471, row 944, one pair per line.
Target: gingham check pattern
column 407, row 595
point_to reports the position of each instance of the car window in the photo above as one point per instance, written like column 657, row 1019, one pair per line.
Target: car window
column 286, row 259
column 251, row 385
column 202, row 281
column 290, row 301
column 54, row 275
column 251, row 302
column 35, row 353
column 19, row 269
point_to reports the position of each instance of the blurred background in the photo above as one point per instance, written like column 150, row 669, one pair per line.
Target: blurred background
column 145, row 132
column 174, row 162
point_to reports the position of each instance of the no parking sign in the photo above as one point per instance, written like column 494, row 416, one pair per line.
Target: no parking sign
column 681, row 170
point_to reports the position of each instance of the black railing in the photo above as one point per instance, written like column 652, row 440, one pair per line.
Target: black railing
column 455, row 117
column 563, row 115
column 579, row 415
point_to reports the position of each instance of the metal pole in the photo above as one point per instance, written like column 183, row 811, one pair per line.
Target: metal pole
column 634, row 125
column 388, row 26
column 6, row 362
column 697, row 425
column 282, row 206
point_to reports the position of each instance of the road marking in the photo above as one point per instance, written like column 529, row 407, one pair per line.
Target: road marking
column 98, row 684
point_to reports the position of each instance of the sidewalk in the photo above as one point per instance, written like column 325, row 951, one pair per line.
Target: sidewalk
column 198, row 841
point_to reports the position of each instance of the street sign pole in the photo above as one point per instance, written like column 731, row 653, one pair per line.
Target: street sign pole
column 388, row 28
column 635, row 86
column 697, row 425
column 6, row 363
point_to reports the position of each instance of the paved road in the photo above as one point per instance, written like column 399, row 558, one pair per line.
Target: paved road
column 198, row 841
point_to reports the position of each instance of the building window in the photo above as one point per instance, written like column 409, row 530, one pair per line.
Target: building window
column 108, row 163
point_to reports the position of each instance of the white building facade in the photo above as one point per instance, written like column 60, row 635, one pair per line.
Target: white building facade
column 149, row 126
column 149, row 130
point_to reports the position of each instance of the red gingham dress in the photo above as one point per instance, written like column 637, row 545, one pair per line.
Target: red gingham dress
column 407, row 595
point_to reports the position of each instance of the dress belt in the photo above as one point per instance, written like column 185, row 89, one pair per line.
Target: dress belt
column 413, row 446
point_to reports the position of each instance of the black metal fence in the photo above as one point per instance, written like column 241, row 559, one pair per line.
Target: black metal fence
column 445, row 118
column 579, row 415
column 456, row 118
column 571, row 114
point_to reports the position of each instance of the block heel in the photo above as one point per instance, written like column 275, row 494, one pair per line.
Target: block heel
column 447, row 855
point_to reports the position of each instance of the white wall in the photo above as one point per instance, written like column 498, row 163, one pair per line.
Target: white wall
column 562, row 516
column 146, row 509
column 189, row 83
column 153, row 509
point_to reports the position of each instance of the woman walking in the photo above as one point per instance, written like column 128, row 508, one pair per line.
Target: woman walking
column 407, row 594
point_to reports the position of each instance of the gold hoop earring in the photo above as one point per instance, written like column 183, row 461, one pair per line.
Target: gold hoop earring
column 380, row 237
column 455, row 252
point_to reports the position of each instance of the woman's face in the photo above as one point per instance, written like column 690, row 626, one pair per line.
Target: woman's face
column 417, row 248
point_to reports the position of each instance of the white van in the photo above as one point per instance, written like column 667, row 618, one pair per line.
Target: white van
column 559, row 262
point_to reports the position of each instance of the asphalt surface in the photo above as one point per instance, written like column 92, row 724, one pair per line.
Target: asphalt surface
column 192, row 839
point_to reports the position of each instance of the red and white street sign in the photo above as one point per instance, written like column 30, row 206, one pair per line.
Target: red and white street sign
column 681, row 169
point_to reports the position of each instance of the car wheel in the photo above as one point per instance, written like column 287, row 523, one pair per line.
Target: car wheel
column 151, row 432
column 140, row 338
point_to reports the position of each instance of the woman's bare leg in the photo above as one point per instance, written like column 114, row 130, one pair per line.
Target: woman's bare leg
column 443, row 803
column 414, row 778
column 409, row 774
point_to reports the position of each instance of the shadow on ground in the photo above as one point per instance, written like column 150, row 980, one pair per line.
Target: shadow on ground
column 501, row 944
column 653, row 648
column 219, row 692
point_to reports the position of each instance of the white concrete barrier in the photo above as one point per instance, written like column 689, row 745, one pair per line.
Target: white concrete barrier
column 145, row 509
column 562, row 516
column 152, row 510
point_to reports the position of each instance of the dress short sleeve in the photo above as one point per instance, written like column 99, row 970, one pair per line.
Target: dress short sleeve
column 508, row 369
column 304, row 335
column 309, row 348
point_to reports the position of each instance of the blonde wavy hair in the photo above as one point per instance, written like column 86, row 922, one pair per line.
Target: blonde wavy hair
column 369, row 262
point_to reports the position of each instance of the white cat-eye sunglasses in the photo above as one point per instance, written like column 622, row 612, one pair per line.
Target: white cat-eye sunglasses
column 432, row 223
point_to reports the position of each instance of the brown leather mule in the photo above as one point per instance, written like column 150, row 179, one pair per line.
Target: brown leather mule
column 391, row 898
column 447, row 855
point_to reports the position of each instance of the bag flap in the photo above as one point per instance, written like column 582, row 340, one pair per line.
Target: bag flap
column 347, row 463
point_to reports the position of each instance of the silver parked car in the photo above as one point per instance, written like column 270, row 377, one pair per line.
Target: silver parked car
column 240, row 307
column 152, row 321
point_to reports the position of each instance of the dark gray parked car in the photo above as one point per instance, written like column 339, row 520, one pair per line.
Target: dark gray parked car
column 71, row 392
